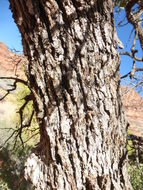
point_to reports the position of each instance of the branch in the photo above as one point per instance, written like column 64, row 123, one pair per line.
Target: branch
column 133, row 18
column 128, row 74
column 139, row 69
column 15, row 131
column 27, row 99
column 16, row 80
column 133, row 55
column 30, row 120
column 5, row 95
column 26, row 139
column 124, row 76
column 133, row 52
column 18, row 132
column 130, row 55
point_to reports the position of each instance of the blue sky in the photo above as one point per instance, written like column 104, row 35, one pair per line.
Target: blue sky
column 10, row 35
column 124, row 35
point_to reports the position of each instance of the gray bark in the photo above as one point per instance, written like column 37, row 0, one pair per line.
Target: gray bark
column 74, row 75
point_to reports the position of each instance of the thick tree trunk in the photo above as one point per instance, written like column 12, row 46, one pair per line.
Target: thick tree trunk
column 74, row 76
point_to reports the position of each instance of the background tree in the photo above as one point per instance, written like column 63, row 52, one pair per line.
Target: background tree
column 74, row 77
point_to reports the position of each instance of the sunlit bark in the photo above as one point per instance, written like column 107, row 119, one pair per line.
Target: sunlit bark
column 74, row 76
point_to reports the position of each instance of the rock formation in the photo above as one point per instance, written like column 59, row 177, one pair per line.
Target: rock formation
column 10, row 62
column 133, row 106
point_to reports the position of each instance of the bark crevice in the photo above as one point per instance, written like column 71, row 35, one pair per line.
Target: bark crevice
column 74, row 77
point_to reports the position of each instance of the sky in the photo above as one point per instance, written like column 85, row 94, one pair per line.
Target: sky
column 10, row 35
column 126, row 36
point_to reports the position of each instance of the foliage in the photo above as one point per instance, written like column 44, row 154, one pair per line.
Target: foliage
column 12, row 161
column 29, row 130
column 136, row 176
column 135, row 169
column 12, row 168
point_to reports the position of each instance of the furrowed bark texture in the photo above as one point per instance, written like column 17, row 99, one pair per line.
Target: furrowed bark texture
column 74, row 76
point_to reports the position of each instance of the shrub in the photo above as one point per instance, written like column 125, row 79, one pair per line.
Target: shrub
column 136, row 176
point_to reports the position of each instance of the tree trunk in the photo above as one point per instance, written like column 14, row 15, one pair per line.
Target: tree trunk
column 74, row 75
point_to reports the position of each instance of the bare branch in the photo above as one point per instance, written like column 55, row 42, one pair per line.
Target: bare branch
column 124, row 76
column 17, row 133
column 27, row 140
column 13, row 133
column 133, row 18
column 139, row 69
column 30, row 120
column 31, row 137
column 16, row 80
column 134, row 42
column 6, row 128
column 5, row 95
column 128, row 74
column 27, row 99
column 133, row 55
column 130, row 55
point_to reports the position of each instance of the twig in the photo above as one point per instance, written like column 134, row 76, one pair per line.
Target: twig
column 16, row 80
column 133, row 18
column 130, row 55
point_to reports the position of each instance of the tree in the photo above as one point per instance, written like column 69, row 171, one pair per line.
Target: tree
column 74, row 76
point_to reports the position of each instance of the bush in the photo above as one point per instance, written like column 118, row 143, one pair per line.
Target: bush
column 136, row 176
column 135, row 155
column 12, row 161
column 12, row 168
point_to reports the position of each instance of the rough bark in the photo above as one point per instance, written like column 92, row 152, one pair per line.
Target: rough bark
column 74, row 76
